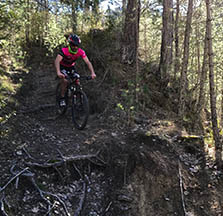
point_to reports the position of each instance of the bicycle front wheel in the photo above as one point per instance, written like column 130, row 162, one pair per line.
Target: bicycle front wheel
column 80, row 109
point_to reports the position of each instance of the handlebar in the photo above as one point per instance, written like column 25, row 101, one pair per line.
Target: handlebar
column 85, row 78
column 77, row 76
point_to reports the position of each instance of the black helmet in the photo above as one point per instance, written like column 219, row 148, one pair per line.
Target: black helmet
column 74, row 40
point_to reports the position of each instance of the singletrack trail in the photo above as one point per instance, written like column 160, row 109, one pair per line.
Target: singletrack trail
column 97, row 131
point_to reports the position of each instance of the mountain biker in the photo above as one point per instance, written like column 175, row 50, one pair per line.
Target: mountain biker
column 65, row 62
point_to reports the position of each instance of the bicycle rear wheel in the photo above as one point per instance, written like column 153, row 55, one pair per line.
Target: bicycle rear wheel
column 80, row 109
column 60, row 110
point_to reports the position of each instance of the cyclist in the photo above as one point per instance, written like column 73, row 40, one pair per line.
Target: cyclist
column 65, row 62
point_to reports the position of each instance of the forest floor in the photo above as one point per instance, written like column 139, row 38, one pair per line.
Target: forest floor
column 151, row 167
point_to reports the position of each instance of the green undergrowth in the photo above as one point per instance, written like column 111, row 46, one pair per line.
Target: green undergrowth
column 8, row 86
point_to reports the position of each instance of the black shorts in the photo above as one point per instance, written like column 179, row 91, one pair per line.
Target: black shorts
column 68, row 71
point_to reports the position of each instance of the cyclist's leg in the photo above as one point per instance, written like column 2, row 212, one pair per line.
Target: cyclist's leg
column 63, row 86
column 63, row 81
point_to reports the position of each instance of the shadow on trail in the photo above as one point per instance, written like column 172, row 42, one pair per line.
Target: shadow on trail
column 56, row 168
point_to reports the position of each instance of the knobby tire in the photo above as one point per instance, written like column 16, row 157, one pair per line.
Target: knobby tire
column 80, row 109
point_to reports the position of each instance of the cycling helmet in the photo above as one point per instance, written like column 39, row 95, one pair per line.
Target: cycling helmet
column 74, row 40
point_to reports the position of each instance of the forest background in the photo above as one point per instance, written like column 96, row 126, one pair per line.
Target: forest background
column 166, row 53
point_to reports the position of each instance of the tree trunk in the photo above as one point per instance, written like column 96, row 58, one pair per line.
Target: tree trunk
column 74, row 16
column 145, row 26
column 27, row 26
column 203, row 78
column 130, row 35
column 183, row 83
column 198, row 49
column 123, row 13
column 167, row 42
column 218, row 145
column 137, row 53
column 221, row 120
column 177, row 54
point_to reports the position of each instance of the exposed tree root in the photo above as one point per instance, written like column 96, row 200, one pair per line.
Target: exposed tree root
column 2, row 208
column 63, row 160
column 47, row 197
column 82, row 198
column 50, row 205
column 13, row 178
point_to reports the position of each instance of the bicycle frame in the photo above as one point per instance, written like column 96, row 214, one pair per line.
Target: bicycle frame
column 77, row 97
column 73, row 85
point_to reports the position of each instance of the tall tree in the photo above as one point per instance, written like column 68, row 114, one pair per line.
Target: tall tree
column 74, row 7
column 218, row 145
column 130, row 38
column 27, row 26
column 177, row 54
column 167, row 41
column 183, row 81
column 203, row 78
column 123, row 13
column 137, row 52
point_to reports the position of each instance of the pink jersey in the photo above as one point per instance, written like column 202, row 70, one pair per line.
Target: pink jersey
column 69, row 58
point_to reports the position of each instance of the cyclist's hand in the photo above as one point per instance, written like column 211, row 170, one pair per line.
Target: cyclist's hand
column 60, row 75
column 93, row 75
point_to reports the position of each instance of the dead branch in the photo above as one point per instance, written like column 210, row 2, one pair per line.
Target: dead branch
column 12, row 179
column 75, row 167
column 64, row 159
column 41, row 192
column 80, row 157
column 82, row 199
column 30, row 176
column 45, row 165
column 27, row 153
column 107, row 208
column 181, row 189
column 48, row 212
column 44, row 194
column 99, row 164
column 2, row 208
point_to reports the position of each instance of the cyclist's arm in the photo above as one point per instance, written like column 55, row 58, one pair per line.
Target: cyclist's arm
column 57, row 65
column 93, row 75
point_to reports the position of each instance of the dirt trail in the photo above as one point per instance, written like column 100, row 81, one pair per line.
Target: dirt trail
column 107, row 169
column 38, row 139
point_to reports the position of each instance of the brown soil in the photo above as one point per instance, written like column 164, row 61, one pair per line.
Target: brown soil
column 148, row 168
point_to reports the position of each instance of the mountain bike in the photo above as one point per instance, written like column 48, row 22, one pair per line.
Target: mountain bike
column 75, row 96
